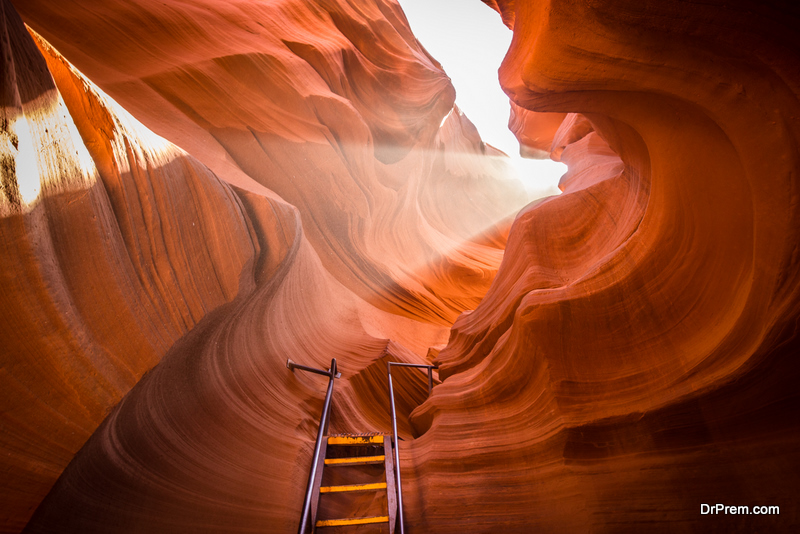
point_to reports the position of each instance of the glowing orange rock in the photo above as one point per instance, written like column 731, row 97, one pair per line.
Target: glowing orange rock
column 108, row 260
column 334, row 107
column 635, row 356
column 534, row 131
column 125, row 252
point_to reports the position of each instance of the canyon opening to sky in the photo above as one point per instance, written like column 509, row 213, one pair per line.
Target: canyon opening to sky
column 194, row 191
column 470, row 43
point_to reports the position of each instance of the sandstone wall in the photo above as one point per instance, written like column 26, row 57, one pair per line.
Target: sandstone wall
column 636, row 354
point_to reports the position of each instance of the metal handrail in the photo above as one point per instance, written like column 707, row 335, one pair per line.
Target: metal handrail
column 395, row 445
column 323, row 429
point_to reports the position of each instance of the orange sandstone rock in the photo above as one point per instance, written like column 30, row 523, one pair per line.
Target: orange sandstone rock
column 634, row 357
column 132, row 253
column 534, row 131
column 636, row 354
column 108, row 259
column 335, row 107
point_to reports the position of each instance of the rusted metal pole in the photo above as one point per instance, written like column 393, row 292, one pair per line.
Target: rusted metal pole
column 418, row 365
column 292, row 365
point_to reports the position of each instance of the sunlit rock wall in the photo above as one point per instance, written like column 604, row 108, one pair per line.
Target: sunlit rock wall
column 108, row 259
column 634, row 358
column 334, row 106
column 123, row 251
column 636, row 355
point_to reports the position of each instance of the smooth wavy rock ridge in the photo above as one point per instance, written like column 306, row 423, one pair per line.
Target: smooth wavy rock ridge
column 332, row 105
column 636, row 355
column 631, row 355
column 126, row 255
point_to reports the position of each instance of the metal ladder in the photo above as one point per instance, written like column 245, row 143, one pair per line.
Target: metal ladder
column 377, row 451
column 332, row 451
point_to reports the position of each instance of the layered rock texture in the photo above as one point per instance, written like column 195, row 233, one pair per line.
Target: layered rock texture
column 332, row 105
column 636, row 355
column 124, row 251
column 632, row 357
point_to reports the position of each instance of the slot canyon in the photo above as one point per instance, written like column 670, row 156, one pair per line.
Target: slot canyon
column 195, row 191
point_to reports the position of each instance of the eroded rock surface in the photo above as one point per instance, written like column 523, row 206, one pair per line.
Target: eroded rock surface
column 108, row 259
column 636, row 354
column 634, row 357
column 332, row 105
column 123, row 251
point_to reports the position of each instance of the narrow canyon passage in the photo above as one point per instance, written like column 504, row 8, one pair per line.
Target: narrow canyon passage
column 193, row 192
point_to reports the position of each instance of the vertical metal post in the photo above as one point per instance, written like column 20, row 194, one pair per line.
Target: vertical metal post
column 395, row 443
column 305, row 520
column 396, row 452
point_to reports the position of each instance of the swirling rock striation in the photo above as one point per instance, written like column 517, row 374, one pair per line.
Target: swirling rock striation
column 125, row 252
column 332, row 105
column 100, row 219
column 635, row 356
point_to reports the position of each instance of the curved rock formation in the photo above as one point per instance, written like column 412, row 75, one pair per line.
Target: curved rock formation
column 99, row 218
column 125, row 251
column 534, row 130
column 334, row 106
column 634, row 357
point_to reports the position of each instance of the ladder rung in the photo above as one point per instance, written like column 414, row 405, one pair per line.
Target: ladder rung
column 356, row 440
column 353, row 487
column 356, row 460
column 354, row 521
